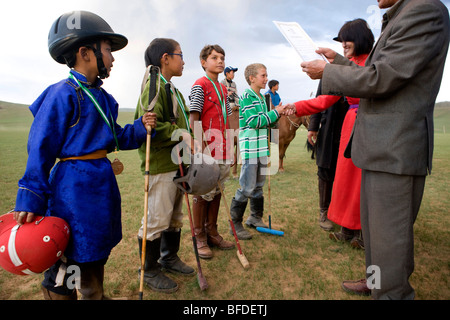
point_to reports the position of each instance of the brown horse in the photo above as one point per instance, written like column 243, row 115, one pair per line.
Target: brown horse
column 287, row 126
column 233, row 120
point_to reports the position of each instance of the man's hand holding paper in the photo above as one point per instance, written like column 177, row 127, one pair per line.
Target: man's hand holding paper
column 314, row 69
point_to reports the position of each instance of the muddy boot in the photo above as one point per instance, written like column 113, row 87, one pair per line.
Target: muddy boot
column 342, row 236
column 256, row 213
column 200, row 211
column 357, row 241
column 324, row 203
column 154, row 278
column 214, row 238
column 237, row 210
column 170, row 244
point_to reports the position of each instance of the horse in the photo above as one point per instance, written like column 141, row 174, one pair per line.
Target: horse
column 233, row 121
column 287, row 126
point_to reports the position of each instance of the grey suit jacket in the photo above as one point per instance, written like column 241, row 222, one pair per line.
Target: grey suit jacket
column 398, row 86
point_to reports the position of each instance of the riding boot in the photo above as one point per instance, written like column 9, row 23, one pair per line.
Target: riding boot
column 237, row 210
column 256, row 213
column 213, row 236
column 92, row 282
column 153, row 276
column 50, row 295
column 170, row 245
column 200, row 212
column 325, row 188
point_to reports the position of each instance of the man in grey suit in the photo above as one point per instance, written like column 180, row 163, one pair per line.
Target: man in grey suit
column 392, row 140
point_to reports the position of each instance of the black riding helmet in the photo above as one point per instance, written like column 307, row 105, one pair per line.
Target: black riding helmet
column 81, row 28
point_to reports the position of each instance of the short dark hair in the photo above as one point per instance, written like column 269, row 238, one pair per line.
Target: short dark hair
column 157, row 48
column 358, row 32
column 272, row 83
column 206, row 51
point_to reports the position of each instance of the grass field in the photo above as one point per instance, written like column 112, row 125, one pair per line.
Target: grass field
column 302, row 265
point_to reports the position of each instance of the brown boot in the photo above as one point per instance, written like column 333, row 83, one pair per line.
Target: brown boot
column 200, row 212
column 325, row 188
column 342, row 236
column 214, row 238
column 50, row 295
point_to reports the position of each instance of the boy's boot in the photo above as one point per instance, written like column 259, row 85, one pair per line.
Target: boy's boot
column 50, row 295
column 256, row 213
column 92, row 282
column 237, row 210
column 200, row 211
column 170, row 244
column 343, row 235
column 153, row 276
column 324, row 203
column 214, row 238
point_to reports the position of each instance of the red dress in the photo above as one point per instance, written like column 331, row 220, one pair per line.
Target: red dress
column 345, row 199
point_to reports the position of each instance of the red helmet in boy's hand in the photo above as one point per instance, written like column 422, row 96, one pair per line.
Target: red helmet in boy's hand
column 32, row 247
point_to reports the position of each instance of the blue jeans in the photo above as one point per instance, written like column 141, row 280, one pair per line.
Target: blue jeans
column 252, row 179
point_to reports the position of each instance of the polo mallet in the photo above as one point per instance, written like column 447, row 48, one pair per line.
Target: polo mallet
column 239, row 252
column 269, row 230
column 200, row 277
column 152, row 74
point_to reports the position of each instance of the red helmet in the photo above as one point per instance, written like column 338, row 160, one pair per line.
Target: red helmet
column 33, row 247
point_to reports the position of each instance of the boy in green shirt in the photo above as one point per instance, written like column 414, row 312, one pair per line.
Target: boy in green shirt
column 165, row 199
column 254, row 119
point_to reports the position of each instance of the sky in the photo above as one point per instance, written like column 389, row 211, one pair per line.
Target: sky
column 243, row 28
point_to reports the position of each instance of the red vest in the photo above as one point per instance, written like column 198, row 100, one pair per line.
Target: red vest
column 213, row 121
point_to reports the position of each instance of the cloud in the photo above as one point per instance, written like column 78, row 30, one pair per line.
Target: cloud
column 244, row 28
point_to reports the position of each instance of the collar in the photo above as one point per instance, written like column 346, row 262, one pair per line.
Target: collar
column 359, row 60
column 82, row 78
column 391, row 13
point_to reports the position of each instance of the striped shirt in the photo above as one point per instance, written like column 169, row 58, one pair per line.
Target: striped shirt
column 197, row 100
column 254, row 119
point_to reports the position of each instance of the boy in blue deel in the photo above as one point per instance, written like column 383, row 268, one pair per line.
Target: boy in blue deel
column 75, row 122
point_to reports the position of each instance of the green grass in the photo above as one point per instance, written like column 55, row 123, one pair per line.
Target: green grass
column 304, row 264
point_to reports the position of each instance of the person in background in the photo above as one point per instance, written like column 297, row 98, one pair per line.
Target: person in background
column 274, row 86
column 357, row 41
column 232, row 92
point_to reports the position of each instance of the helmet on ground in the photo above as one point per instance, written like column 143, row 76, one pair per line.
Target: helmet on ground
column 78, row 28
column 201, row 176
column 33, row 247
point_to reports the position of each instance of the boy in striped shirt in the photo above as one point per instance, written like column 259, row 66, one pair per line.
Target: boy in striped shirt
column 254, row 120
column 209, row 106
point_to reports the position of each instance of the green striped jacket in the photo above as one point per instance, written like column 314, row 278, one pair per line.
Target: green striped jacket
column 254, row 119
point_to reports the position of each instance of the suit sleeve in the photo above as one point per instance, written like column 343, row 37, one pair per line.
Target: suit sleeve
column 412, row 43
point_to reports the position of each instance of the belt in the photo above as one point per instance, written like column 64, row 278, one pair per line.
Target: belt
column 91, row 156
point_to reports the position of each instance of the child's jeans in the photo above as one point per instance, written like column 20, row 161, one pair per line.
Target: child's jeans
column 252, row 179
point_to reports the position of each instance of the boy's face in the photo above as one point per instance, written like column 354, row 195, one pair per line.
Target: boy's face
column 230, row 75
column 215, row 63
column 107, row 56
column 175, row 63
column 260, row 80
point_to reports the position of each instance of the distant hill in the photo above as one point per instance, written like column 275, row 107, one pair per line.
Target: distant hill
column 14, row 113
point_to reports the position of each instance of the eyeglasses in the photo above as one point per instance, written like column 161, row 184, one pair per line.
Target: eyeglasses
column 176, row 54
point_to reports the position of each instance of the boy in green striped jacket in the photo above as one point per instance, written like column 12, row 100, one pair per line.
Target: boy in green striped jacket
column 254, row 120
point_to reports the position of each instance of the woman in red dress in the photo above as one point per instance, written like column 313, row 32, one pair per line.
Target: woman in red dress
column 357, row 41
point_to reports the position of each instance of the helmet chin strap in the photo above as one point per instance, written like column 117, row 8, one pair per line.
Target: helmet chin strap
column 102, row 71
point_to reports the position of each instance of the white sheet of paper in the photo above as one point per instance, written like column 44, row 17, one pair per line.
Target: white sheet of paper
column 299, row 40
